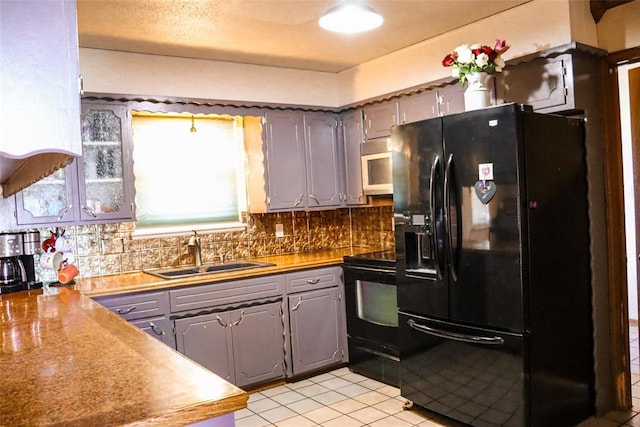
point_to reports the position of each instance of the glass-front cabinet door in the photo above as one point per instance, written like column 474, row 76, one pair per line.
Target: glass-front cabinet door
column 96, row 188
column 105, row 189
column 50, row 200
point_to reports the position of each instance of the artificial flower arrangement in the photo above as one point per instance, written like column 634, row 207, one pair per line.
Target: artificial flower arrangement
column 466, row 59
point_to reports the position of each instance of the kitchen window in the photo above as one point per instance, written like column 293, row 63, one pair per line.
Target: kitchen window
column 189, row 172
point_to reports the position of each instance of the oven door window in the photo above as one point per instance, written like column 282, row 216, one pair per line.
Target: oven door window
column 377, row 303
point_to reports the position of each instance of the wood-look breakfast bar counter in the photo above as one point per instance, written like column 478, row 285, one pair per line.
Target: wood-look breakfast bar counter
column 67, row 360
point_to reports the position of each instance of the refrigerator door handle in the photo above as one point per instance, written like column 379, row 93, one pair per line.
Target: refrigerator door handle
column 473, row 339
column 434, row 215
column 453, row 261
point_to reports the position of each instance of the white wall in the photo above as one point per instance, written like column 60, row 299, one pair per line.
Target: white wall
column 619, row 28
column 528, row 28
column 138, row 74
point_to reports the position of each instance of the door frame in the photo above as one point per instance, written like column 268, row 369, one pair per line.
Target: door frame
column 618, row 306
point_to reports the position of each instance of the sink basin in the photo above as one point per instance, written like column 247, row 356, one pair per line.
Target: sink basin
column 175, row 273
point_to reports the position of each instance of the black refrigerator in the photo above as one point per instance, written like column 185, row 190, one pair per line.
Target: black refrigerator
column 493, row 267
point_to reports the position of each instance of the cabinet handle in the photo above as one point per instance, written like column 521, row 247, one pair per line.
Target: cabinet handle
column 295, row 307
column 313, row 281
column 155, row 329
column 298, row 200
column 237, row 322
column 314, row 198
column 221, row 322
column 125, row 310
column 90, row 211
column 360, row 197
column 63, row 212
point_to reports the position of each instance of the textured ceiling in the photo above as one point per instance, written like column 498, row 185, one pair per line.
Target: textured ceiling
column 281, row 33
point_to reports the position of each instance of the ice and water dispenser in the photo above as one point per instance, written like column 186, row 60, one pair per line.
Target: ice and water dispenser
column 418, row 241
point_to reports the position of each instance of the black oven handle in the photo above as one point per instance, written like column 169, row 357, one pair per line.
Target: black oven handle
column 473, row 339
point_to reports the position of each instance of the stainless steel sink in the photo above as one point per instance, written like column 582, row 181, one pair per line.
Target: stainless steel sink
column 175, row 273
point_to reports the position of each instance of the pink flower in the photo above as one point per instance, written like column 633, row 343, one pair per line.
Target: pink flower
column 501, row 47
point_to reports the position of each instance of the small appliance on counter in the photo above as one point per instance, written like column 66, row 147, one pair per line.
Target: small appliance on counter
column 17, row 272
column 372, row 315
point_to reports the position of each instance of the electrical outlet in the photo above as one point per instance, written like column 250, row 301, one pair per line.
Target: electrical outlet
column 279, row 230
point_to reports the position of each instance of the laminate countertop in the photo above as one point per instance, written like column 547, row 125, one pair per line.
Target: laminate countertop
column 67, row 360
column 139, row 281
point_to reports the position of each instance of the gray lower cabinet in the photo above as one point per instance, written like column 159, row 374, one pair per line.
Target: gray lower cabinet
column 157, row 327
column 243, row 346
column 248, row 331
column 147, row 310
column 316, row 318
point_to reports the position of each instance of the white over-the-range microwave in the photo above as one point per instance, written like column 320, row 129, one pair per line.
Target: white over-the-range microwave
column 377, row 174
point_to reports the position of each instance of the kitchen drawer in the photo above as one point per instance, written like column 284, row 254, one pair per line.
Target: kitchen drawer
column 137, row 306
column 158, row 327
column 318, row 278
column 215, row 294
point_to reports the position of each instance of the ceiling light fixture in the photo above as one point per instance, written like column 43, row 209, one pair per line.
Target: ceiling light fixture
column 193, row 126
column 350, row 18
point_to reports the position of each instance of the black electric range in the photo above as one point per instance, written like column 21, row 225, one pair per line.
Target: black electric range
column 372, row 315
column 383, row 259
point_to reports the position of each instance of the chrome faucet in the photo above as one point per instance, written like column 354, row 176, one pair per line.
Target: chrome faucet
column 194, row 241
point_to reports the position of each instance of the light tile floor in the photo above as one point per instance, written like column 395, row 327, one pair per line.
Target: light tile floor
column 342, row 398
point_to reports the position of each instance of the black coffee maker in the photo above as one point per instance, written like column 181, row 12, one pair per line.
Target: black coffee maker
column 30, row 247
column 17, row 270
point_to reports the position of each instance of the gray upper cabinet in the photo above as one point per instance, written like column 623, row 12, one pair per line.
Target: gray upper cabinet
column 431, row 103
column 322, row 160
column 286, row 174
column 302, row 160
column 450, row 99
column 52, row 200
column 378, row 119
column 546, row 84
column 106, row 170
column 40, row 88
column 418, row 107
column 351, row 139
column 96, row 188
column 243, row 346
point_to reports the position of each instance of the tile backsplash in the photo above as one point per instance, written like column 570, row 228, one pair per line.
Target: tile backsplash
column 110, row 249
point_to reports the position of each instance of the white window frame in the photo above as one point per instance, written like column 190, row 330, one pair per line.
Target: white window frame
column 186, row 229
